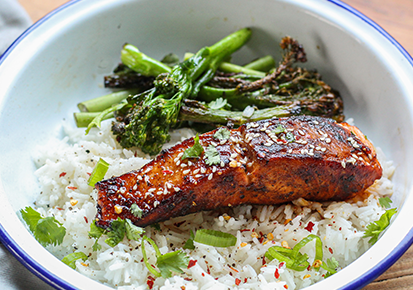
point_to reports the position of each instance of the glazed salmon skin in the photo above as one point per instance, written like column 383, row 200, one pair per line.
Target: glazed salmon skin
column 267, row 162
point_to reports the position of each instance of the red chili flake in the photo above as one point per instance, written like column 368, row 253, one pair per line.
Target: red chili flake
column 309, row 226
column 244, row 230
column 208, row 271
column 276, row 274
column 59, row 208
column 309, row 268
column 281, row 265
column 330, row 250
column 86, row 219
column 203, row 274
column 237, row 281
column 263, row 261
column 183, row 287
column 167, row 171
column 245, row 280
column 62, row 174
column 191, row 263
column 150, row 282
column 90, row 174
column 286, row 286
column 261, row 240
column 339, row 228
column 72, row 187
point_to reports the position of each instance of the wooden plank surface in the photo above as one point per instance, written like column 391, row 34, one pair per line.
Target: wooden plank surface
column 394, row 16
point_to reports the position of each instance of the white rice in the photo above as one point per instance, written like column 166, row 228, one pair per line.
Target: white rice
column 64, row 168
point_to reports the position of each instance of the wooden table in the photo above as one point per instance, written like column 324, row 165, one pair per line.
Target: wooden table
column 394, row 16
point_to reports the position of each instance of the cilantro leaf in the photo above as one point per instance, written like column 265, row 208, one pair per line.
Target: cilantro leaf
column 133, row 232
column 385, row 202
column 194, row 151
column 71, row 259
column 116, row 233
column 190, row 242
column 118, row 229
column 136, row 210
column 46, row 230
column 279, row 129
column 212, row 155
column 172, row 262
column 219, row 103
column 166, row 263
column 222, row 134
column 374, row 229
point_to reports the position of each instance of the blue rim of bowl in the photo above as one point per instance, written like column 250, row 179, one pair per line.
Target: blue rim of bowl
column 56, row 282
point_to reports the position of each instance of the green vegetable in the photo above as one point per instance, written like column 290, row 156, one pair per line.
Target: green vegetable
column 118, row 229
column 141, row 63
column 195, row 151
column 46, row 230
column 146, row 119
column 136, row 210
column 206, row 88
column 167, row 263
column 385, row 202
column 222, row 134
column 98, row 172
column 215, row 238
column 330, row 266
column 212, row 156
column 219, row 103
column 292, row 258
column 189, row 244
column 71, row 259
column 374, row 229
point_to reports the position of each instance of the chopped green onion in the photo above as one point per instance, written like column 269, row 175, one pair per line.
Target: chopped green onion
column 71, row 259
column 292, row 258
column 98, row 172
column 215, row 238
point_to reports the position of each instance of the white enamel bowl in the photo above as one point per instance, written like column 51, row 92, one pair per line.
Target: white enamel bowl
column 61, row 59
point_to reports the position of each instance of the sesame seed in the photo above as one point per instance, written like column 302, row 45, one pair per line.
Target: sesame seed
column 183, row 165
column 177, row 189
column 135, row 187
column 139, row 177
column 234, row 155
column 222, row 163
column 343, row 163
column 196, row 171
column 185, row 172
column 233, row 163
column 210, row 176
column 214, row 144
column 156, row 203
column 180, row 154
column 328, row 140
column 189, row 163
column 301, row 132
column 151, row 190
column 203, row 170
column 178, row 162
column 198, row 175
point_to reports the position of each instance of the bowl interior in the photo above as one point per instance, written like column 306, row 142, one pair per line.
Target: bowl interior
column 62, row 59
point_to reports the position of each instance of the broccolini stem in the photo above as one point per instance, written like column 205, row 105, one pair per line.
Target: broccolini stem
column 103, row 102
column 83, row 119
column 263, row 64
column 141, row 63
column 207, row 115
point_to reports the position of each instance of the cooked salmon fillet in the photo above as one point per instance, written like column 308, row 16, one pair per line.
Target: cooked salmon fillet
column 267, row 162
